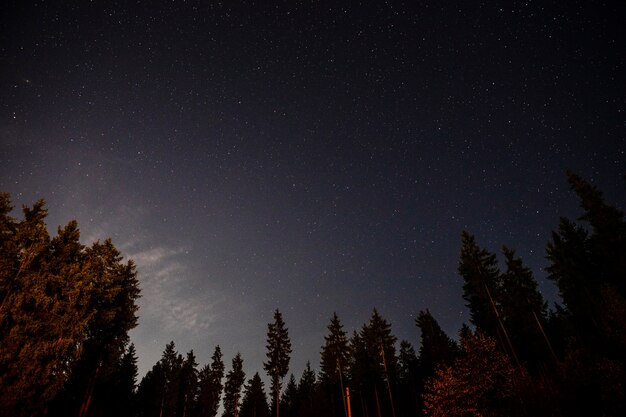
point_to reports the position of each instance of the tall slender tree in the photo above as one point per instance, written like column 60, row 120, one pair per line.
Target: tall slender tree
column 278, row 355
column 482, row 284
column 232, row 388
column 524, row 312
column 210, row 386
column 437, row 348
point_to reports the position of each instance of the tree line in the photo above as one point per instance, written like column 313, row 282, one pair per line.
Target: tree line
column 67, row 309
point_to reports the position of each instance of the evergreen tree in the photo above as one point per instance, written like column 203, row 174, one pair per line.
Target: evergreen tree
column 289, row 401
column 482, row 284
column 210, row 386
column 159, row 391
column 408, row 379
column 334, row 363
column 278, row 351
column 232, row 388
column 126, row 383
column 306, row 391
column 437, row 348
column 524, row 312
column 374, row 364
column 335, row 352
column 254, row 402
column 151, row 392
column 66, row 311
column 188, row 386
column 479, row 383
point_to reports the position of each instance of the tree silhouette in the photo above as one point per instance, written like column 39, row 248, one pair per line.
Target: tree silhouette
column 278, row 351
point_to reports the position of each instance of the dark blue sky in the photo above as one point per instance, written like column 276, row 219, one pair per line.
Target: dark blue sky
column 308, row 156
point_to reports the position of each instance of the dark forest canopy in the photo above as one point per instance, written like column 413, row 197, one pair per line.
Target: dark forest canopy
column 66, row 310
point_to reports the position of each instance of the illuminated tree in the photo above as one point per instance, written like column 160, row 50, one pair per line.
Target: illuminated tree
column 65, row 312
column 479, row 383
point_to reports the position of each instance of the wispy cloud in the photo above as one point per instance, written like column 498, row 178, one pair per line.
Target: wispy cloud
column 172, row 298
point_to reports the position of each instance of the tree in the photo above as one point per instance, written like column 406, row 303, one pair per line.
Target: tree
column 254, row 402
column 232, row 388
column 278, row 351
column 524, row 312
column 479, row 383
column 374, row 363
column 66, row 311
column 158, row 393
column 408, row 380
column 334, row 362
column 481, row 288
column 335, row 352
column 289, row 400
column 436, row 348
column 151, row 392
column 188, row 386
column 126, row 383
column 306, row 391
column 210, row 386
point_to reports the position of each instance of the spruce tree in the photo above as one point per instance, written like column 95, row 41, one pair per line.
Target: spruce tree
column 524, row 312
column 232, row 388
column 335, row 353
column 437, row 348
column 482, row 284
column 66, row 311
column 306, row 390
column 188, row 386
column 254, row 403
column 278, row 351
column 289, row 401
column 210, row 385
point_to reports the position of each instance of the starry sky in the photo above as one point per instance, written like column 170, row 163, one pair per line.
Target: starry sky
column 311, row 156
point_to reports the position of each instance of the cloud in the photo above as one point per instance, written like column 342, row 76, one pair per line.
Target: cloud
column 173, row 299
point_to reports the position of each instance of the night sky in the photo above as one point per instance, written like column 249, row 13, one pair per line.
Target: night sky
column 308, row 156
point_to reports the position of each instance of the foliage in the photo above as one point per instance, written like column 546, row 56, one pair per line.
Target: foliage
column 66, row 311
column 479, row 383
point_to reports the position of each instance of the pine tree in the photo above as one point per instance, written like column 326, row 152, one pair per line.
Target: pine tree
column 289, row 401
column 210, row 386
column 66, row 311
column 480, row 383
column 437, row 348
column 306, row 390
column 278, row 351
column 254, row 402
column 126, row 383
column 334, row 363
column 335, row 353
column 482, row 286
column 408, row 379
column 374, row 364
column 232, row 388
column 151, row 392
column 524, row 312
column 188, row 386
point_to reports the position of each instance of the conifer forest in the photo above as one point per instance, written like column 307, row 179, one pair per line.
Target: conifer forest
column 66, row 311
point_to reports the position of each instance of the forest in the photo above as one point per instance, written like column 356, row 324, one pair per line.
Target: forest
column 66, row 310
